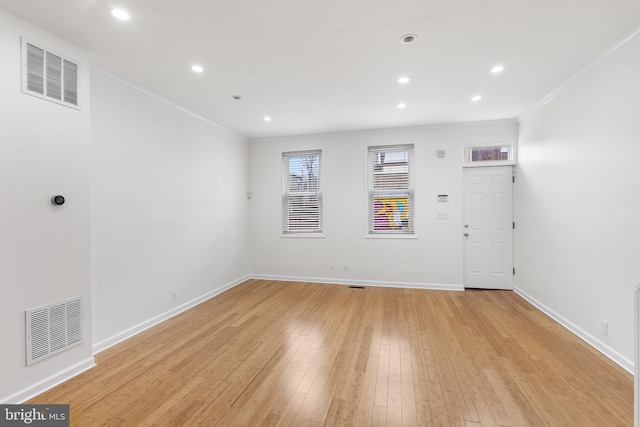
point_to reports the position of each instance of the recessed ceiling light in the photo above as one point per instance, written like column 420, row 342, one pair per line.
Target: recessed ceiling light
column 402, row 105
column 197, row 69
column 497, row 69
column 476, row 98
column 267, row 119
column 122, row 15
column 408, row 38
column 404, row 79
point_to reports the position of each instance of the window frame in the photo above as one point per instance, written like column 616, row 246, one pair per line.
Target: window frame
column 285, row 195
column 372, row 193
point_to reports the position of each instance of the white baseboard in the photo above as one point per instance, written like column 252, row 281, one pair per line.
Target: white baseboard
column 582, row 334
column 331, row 281
column 134, row 330
column 49, row 382
column 636, row 377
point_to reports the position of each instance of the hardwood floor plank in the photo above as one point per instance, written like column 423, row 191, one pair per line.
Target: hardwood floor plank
column 379, row 417
column 409, row 411
column 305, row 354
column 291, row 411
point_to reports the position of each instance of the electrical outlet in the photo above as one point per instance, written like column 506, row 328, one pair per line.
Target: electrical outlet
column 332, row 267
column 345, row 267
column 175, row 295
column 442, row 215
column 605, row 327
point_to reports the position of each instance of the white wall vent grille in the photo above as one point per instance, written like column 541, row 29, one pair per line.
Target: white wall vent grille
column 53, row 329
column 49, row 76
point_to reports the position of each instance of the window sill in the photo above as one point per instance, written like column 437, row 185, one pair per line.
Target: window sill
column 391, row 236
column 303, row 236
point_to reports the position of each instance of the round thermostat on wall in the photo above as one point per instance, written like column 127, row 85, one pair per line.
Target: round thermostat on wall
column 57, row 200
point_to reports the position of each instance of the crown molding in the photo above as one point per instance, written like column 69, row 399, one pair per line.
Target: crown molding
column 163, row 100
column 601, row 58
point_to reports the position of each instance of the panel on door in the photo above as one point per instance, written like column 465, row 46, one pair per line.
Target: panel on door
column 488, row 229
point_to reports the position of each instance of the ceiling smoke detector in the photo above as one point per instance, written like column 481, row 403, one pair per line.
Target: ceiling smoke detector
column 409, row 38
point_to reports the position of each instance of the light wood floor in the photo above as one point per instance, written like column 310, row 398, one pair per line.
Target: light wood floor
column 303, row 354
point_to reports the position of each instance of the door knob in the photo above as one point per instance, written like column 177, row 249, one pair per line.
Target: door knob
column 466, row 234
column 466, row 226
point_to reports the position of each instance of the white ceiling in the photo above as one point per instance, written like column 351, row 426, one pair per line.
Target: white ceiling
column 332, row 65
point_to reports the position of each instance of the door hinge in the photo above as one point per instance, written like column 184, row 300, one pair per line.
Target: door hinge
column 514, row 225
column 513, row 178
column 514, row 271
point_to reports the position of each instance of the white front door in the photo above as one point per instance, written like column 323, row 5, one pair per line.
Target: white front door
column 488, row 227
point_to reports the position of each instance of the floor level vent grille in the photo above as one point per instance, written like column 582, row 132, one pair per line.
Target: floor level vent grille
column 53, row 328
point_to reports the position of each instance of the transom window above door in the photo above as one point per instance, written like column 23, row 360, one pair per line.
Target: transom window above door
column 487, row 154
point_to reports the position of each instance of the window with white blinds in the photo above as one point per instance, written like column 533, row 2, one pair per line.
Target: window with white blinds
column 391, row 189
column 302, row 198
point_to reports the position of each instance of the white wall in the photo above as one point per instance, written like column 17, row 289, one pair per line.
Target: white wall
column 434, row 259
column 169, row 207
column 577, row 204
column 44, row 250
